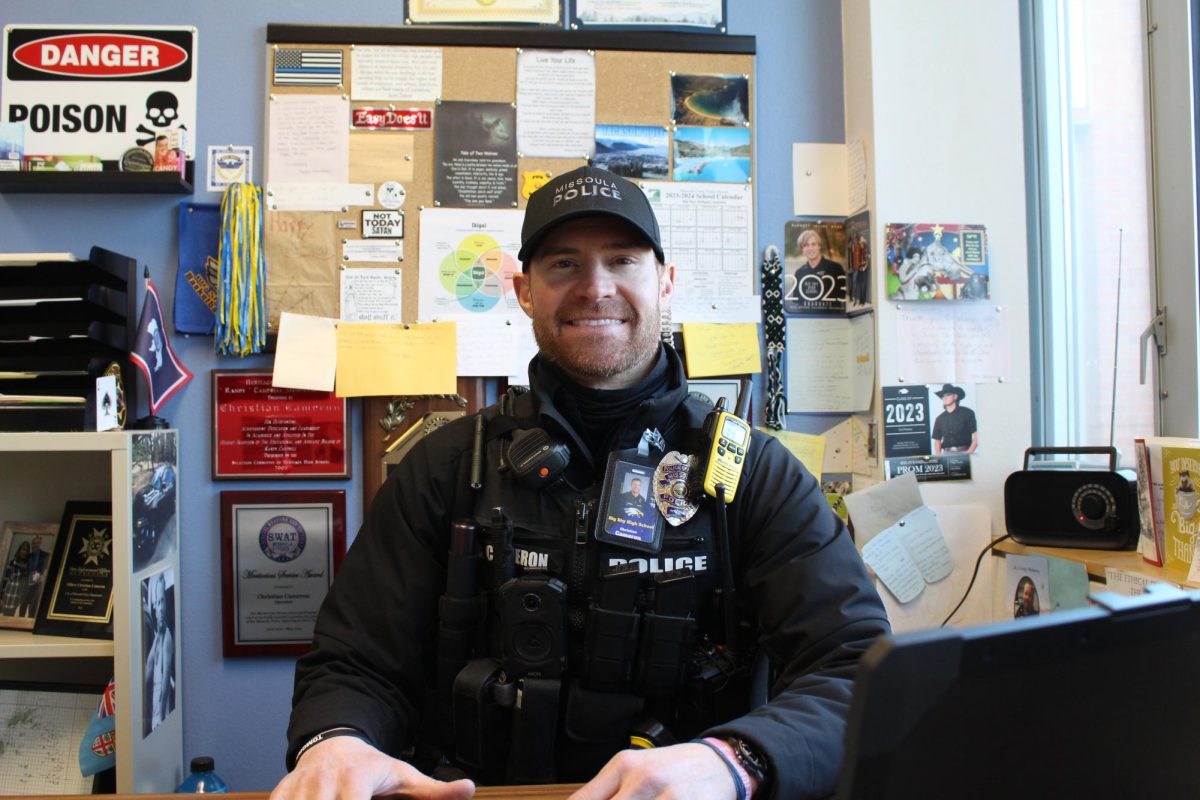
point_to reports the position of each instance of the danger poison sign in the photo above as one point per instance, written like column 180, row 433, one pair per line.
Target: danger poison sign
column 100, row 55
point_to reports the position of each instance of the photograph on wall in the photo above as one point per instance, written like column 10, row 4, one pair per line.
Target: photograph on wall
column 710, row 100
column 154, row 483
column 711, row 391
column 932, row 261
column 158, row 649
column 927, row 431
column 476, row 161
column 858, row 261
column 814, row 272
column 632, row 151
column 26, row 548
column 716, row 155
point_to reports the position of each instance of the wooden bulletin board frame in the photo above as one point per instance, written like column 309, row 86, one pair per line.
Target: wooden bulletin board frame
column 480, row 64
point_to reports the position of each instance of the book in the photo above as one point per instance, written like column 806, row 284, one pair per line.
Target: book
column 1180, row 475
column 1156, row 470
column 1149, row 540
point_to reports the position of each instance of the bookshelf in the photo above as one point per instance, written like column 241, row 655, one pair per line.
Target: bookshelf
column 39, row 473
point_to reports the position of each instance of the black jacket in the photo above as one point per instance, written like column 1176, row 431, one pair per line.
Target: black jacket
column 799, row 576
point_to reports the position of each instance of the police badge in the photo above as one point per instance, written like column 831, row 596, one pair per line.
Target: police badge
column 671, row 487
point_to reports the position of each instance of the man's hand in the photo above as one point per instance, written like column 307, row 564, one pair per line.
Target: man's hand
column 345, row 768
column 691, row 771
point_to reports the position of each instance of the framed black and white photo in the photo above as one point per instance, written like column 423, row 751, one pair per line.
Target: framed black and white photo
column 158, row 649
column 693, row 16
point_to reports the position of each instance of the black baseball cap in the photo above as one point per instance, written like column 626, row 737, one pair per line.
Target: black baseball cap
column 585, row 192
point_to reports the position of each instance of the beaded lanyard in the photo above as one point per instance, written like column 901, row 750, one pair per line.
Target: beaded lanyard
column 241, row 302
column 773, row 333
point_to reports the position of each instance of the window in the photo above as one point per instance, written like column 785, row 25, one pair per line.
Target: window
column 1092, row 237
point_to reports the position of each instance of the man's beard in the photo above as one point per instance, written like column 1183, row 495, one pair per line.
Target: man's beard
column 599, row 360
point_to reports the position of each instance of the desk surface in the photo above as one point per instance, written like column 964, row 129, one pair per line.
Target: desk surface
column 552, row 792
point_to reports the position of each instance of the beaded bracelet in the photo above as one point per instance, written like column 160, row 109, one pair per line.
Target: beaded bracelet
column 741, row 778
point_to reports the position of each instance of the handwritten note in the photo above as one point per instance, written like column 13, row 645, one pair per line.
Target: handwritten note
column 308, row 139
column 383, row 359
column 488, row 346
column 910, row 554
column 396, row 73
column 305, row 353
column 875, row 509
column 806, row 447
column 831, row 364
column 953, row 341
column 714, row 349
column 301, row 252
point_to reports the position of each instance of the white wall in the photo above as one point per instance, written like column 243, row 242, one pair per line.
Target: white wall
column 933, row 89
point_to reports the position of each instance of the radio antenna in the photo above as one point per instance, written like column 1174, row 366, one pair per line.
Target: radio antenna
column 1112, row 419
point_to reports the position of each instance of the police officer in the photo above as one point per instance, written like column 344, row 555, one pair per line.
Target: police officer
column 596, row 286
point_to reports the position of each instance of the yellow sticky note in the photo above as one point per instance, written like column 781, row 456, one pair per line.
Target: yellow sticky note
column 808, row 448
column 721, row 348
column 388, row 359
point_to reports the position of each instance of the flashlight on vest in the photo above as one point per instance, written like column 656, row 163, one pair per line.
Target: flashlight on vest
column 536, row 460
column 649, row 733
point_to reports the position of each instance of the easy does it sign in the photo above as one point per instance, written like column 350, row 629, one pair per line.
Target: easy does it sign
column 93, row 90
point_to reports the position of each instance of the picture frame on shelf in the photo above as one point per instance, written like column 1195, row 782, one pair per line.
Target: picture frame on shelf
column 78, row 597
column 26, row 549
column 279, row 553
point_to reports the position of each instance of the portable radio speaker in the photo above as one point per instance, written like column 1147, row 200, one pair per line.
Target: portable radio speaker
column 1094, row 509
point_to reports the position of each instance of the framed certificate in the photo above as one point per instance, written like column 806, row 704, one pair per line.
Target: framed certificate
column 279, row 553
column 78, row 596
column 696, row 16
column 546, row 12
column 264, row 431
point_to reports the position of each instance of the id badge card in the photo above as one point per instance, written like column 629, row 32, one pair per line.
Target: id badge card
column 629, row 517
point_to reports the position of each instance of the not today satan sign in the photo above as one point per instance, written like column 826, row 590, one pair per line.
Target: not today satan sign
column 97, row 90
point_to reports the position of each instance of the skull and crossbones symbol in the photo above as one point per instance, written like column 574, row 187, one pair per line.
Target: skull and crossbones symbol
column 162, row 110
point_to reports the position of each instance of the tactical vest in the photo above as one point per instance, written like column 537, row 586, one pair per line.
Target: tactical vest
column 573, row 649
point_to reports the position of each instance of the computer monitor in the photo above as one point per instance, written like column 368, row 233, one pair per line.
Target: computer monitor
column 1095, row 702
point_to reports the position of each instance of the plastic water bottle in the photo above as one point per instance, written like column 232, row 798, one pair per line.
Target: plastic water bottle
column 202, row 780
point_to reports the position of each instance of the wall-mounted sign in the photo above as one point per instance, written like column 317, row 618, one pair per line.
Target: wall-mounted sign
column 366, row 118
column 99, row 90
column 385, row 224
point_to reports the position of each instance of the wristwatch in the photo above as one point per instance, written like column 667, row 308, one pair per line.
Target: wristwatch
column 751, row 759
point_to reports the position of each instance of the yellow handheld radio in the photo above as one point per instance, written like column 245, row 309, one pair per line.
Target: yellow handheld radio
column 729, row 440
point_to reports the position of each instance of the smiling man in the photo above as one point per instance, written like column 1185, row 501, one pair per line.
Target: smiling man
column 519, row 632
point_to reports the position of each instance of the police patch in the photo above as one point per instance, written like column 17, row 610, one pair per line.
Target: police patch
column 282, row 538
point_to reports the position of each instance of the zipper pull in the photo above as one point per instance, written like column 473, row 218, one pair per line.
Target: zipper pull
column 581, row 522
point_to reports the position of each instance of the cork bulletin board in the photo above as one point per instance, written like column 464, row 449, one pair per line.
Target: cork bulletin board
column 633, row 87
column 306, row 249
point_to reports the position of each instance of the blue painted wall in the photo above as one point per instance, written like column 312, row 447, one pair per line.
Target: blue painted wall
column 236, row 710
